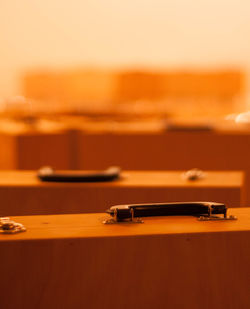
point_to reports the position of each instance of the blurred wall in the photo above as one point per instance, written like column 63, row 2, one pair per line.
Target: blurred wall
column 122, row 34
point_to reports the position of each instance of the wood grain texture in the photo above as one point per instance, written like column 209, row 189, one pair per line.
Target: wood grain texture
column 8, row 150
column 222, row 149
column 74, row 261
column 33, row 149
column 21, row 193
column 43, row 149
column 166, row 151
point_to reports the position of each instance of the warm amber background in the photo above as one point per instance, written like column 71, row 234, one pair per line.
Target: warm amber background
column 152, row 34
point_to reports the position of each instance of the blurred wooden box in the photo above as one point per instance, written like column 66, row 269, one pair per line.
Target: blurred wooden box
column 98, row 85
column 33, row 149
column 70, row 86
column 75, row 261
column 165, row 150
column 22, row 193
column 139, row 85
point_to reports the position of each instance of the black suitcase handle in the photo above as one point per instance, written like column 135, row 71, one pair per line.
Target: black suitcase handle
column 48, row 174
column 203, row 210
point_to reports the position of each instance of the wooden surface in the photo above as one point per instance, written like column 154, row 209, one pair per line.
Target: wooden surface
column 22, row 193
column 33, row 149
column 7, row 152
column 44, row 149
column 166, row 150
column 74, row 261
column 215, row 150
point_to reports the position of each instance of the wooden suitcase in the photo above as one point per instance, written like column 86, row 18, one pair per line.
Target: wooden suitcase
column 75, row 261
column 219, row 149
column 33, row 149
column 21, row 193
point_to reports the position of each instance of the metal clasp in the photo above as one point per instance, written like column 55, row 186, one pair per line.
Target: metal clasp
column 8, row 226
column 211, row 217
column 114, row 220
column 193, row 175
column 217, row 218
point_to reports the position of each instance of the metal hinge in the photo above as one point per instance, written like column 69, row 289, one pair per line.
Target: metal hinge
column 8, row 226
